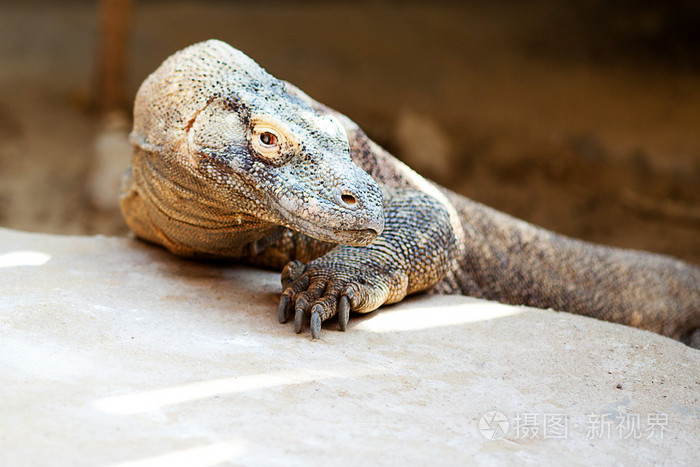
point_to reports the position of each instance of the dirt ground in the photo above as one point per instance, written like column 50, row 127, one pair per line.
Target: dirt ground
column 581, row 119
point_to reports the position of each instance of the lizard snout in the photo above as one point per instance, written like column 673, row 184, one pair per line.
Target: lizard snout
column 365, row 204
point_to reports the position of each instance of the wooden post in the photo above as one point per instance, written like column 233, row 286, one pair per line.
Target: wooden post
column 114, row 28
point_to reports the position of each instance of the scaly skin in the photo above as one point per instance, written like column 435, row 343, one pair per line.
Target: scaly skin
column 231, row 162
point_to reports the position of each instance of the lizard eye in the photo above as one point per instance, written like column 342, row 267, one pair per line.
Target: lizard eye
column 268, row 139
column 270, row 142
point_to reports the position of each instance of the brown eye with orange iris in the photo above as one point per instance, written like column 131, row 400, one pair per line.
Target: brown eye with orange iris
column 268, row 139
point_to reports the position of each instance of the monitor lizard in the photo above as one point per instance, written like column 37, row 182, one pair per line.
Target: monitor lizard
column 230, row 162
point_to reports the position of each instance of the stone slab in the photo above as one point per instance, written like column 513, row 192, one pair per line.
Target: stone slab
column 113, row 352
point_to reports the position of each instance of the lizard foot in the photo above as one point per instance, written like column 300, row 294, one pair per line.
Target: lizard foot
column 318, row 291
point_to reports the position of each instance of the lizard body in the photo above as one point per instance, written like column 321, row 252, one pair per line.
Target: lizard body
column 231, row 162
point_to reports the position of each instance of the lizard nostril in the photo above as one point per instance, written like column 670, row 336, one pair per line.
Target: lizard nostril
column 348, row 199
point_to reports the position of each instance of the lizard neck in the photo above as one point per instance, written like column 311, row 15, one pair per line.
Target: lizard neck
column 188, row 218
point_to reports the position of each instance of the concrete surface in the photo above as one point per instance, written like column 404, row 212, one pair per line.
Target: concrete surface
column 113, row 352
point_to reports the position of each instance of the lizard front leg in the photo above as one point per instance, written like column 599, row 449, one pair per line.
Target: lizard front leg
column 412, row 254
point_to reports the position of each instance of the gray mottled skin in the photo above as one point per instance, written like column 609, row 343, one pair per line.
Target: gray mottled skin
column 231, row 162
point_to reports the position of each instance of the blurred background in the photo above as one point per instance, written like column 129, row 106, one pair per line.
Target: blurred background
column 579, row 116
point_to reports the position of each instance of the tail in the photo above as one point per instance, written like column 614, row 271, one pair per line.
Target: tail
column 514, row 262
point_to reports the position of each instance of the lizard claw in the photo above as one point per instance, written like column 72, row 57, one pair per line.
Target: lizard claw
column 316, row 292
column 343, row 312
column 298, row 319
column 291, row 272
column 282, row 311
column 315, row 321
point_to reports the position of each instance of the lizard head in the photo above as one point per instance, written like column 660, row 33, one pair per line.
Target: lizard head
column 233, row 135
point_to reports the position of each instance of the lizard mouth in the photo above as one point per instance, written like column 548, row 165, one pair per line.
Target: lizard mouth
column 325, row 221
column 352, row 237
column 358, row 237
